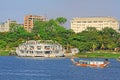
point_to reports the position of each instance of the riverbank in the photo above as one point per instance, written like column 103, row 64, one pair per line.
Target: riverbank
column 4, row 53
column 97, row 55
column 80, row 55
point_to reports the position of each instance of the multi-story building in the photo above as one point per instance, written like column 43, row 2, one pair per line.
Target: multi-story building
column 29, row 21
column 5, row 27
column 81, row 24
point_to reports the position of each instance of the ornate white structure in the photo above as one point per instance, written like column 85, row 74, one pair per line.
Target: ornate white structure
column 81, row 24
column 40, row 48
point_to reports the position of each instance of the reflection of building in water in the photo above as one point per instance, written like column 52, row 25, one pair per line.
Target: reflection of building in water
column 40, row 48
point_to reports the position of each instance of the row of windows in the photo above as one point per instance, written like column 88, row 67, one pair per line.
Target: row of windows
column 95, row 21
column 28, row 25
column 30, row 19
column 94, row 25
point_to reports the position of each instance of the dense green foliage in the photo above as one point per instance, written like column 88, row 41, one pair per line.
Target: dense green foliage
column 10, row 40
column 61, row 20
column 88, row 40
column 91, row 39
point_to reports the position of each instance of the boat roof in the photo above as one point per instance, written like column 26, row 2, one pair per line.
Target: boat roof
column 89, row 61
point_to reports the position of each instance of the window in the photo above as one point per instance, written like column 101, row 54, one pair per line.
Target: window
column 89, row 21
column 78, row 21
column 39, row 47
column 95, row 21
column 113, row 21
column 100, row 21
column 83, row 21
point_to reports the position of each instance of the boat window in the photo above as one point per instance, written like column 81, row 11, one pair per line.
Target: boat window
column 83, row 63
column 38, row 52
column 31, row 47
column 47, row 47
column 31, row 52
column 21, row 51
column 39, row 47
column 47, row 52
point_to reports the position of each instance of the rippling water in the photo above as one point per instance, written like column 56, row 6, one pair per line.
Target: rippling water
column 15, row 68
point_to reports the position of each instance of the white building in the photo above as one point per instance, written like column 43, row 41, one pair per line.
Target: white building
column 81, row 24
column 5, row 27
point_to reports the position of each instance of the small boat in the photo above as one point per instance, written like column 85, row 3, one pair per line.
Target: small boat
column 87, row 63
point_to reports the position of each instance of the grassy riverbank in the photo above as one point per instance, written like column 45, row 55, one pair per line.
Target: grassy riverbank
column 4, row 53
column 98, row 55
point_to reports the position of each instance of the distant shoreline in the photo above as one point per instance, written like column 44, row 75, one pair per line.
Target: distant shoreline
column 79, row 55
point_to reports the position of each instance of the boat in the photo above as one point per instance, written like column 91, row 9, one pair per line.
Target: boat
column 40, row 48
column 90, row 63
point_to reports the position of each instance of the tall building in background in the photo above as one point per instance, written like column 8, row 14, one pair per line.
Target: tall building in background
column 29, row 21
column 5, row 27
column 81, row 24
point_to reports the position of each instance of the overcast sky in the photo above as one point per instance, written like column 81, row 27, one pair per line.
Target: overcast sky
column 17, row 9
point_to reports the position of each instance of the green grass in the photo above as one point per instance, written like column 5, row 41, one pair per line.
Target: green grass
column 4, row 53
column 98, row 55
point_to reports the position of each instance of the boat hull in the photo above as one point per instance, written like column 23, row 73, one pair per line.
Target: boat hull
column 91, row 65
column 83, row 63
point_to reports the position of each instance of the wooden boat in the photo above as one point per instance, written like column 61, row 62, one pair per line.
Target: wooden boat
column 86, row 63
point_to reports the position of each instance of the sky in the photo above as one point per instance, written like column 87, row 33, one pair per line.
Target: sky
column 17, row 9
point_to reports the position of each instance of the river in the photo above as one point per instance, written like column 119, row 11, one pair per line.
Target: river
column 17, row 68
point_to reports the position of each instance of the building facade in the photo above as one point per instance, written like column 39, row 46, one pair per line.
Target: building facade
column 5, row 27
column 29, row 21
column 81, row 24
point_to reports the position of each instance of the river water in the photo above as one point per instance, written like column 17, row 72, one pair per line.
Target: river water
column 17, row 68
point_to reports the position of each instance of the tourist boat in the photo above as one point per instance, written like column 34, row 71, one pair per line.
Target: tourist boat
column 87, row 63
column 40, row 48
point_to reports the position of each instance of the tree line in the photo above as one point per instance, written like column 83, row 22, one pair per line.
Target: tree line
column 87, row 40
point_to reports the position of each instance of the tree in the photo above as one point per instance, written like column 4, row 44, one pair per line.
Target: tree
column 109, row 31
column 111, row 46
column 108, row 36
column 2, row 44
column 13, row 27
column 94, row 46
column 91, row 29
column 61, row 20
